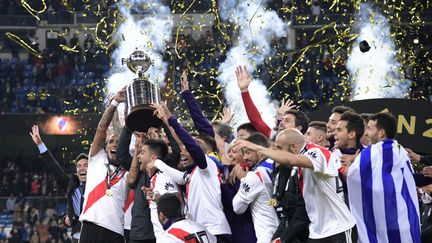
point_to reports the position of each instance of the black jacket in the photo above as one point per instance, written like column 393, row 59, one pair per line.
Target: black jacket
column 294, row 224
column 426, row 160
column 426, row 223
column 68, row 182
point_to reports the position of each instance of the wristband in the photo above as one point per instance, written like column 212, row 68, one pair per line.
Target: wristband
column 114, row 103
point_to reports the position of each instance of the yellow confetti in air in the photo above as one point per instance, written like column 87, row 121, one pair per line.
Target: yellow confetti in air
column 32, row 11
column 70, row 49
column 23, row 44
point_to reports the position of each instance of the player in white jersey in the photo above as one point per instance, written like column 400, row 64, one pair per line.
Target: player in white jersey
column 255, row 190
column 330, row 218
column 105, row 193
column 160, row 184
column 203, row 192
column 177, row 228
column 154, row 150
column 128, row 213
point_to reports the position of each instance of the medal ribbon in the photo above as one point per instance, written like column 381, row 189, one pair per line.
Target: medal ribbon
column 109, row 176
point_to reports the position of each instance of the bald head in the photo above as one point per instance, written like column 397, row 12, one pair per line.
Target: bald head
column 288, row 138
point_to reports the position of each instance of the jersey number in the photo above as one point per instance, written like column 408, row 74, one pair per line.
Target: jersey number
column 339, row 185
column 199, row 237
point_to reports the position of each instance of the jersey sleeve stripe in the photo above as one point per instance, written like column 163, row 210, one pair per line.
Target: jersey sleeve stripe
column 179, row 233
column 259, row 176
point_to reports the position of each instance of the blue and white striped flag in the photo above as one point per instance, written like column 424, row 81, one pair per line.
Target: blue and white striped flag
column 383, row 196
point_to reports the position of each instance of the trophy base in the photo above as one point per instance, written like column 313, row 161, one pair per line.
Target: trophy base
column 141, row 118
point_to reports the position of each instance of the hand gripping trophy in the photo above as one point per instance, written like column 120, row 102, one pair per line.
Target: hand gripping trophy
column 140, row 94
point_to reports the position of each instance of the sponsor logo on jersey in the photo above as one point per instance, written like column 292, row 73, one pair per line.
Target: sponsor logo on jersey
column 246, row 187
column 169, row 185
column 312, row 154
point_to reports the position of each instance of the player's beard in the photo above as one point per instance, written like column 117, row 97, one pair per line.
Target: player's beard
column 113, row 162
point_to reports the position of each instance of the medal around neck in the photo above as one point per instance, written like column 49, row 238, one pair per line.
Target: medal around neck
column 272, row 202
column 140, row 94
column 109, row 192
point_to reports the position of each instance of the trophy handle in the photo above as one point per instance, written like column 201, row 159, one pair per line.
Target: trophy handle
column 123, row 61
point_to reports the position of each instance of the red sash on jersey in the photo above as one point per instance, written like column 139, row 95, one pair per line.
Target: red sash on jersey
column 99, row 191
column 153, row 182
column 342, row 169
column 180, row 234
column 323, row 150
column 152, row 186
column 300, row 179
column 129, row 200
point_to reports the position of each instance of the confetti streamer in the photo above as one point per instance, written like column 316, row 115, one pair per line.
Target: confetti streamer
column 23, row 44
column 70, row 49
column 257, row 27
column 285, row 72
column 32, row 11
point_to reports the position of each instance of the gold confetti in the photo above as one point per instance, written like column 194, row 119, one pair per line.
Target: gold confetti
column 32, row 11
column 71, row 49
column 23, row 44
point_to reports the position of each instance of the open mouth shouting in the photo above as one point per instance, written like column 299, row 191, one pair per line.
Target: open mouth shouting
column 82, row 175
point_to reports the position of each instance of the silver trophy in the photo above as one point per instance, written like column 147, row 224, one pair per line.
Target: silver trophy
column 140, row 94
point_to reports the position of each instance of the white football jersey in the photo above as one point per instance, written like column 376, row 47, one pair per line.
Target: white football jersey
column 255, row 190
column 99, row 208
column 161, row 184
column 184, row 230
column 321, row 189
column 203, row 194
column 128, row 209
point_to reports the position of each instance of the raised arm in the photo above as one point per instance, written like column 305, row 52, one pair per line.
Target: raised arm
column 174, row 174
column 200, row 121
column 101, row 131
column 49, row 160
column 174, row 143
column 220, row 143
column 189, row 142
column 191, row 145
column 243, row 81
column 122, row 152
column 417, row 158
column 285, row 106
column 282, row 157
column 132, row 177
column 226, row 115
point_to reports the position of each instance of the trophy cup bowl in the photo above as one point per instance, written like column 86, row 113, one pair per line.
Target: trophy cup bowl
column 140, row 94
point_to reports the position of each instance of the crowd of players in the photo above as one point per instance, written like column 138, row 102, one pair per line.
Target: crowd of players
column 346, row 180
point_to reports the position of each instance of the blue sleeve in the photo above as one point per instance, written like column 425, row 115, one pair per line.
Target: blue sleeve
column 200, row 121
column 191, row 146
